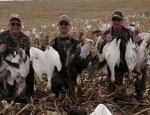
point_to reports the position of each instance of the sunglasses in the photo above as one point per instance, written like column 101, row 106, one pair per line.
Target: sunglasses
column 116, row 19
column 63, row 23
column 17, row 24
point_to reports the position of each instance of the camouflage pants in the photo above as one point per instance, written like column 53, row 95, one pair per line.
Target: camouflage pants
column 140, row 85
column 119, row 73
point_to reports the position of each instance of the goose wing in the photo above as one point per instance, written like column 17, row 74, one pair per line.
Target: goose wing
column 131, row 54
column 85, row 50
column 54, row 58
column 107, row 50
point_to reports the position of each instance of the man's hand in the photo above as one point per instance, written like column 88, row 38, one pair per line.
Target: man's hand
column 108, row 38
column 136, row 38
column 19, row 51
column 2, row 48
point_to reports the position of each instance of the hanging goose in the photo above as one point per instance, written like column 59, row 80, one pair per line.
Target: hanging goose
column 111, row 53
column 131, row 56
column 45, row 62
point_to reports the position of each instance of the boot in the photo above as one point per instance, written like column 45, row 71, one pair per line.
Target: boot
column 139, row 97
column 111, row 87
column 29, row 99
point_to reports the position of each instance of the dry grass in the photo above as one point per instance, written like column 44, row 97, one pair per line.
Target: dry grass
column 35, row 14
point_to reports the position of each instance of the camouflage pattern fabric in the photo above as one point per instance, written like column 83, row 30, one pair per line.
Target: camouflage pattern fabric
column 125, row 35
column 62, row 45
column 13, row 45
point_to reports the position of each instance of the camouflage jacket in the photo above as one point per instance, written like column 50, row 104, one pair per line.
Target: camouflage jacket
column 12, row 45
column 62, row 45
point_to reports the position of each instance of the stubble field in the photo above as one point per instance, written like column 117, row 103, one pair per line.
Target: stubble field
column 35, row 14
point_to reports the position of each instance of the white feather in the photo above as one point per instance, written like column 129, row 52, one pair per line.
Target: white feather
column 10, row 80
column 45, row 62
column 16, row 58
column 19, row 80
column 21, row 73
column 131, row 56
column 3, row 66
column 136, row 57
column 111, row 53
column 86, row 48
column 23, row 66
column 142, row 56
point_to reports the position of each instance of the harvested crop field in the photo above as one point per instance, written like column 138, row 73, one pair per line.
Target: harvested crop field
column 93, row 91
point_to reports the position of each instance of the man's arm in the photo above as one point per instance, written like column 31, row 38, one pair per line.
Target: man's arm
column 26, row 44
column 2, row 45
column 53, row 43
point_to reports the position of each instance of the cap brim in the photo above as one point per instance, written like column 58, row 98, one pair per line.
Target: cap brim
column 117, row 16
column 14, row 18
column 64, row 20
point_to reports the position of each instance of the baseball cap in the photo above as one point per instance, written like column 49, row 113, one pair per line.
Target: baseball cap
column 117, row 14
column 15, row 16
column 64, row 18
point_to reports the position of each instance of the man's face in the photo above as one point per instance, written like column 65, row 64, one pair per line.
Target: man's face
column 117, row 22
column 15, row 26
column 64, row 27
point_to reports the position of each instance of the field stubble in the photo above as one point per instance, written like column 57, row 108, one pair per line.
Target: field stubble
column 35, row 14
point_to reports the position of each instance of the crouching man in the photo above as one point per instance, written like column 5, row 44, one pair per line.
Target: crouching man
column 14, row 40
column 119, row 31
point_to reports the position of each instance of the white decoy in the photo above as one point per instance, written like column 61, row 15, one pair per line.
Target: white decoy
column 111, row 53
column 101, row 109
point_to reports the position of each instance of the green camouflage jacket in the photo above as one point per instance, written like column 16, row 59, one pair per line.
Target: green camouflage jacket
column 12, row 45
column 124, row 35
column 62, row 45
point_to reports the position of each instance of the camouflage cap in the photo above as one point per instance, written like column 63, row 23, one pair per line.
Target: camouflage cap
column 117, row 14
column 64, row 18
column 15, row 16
